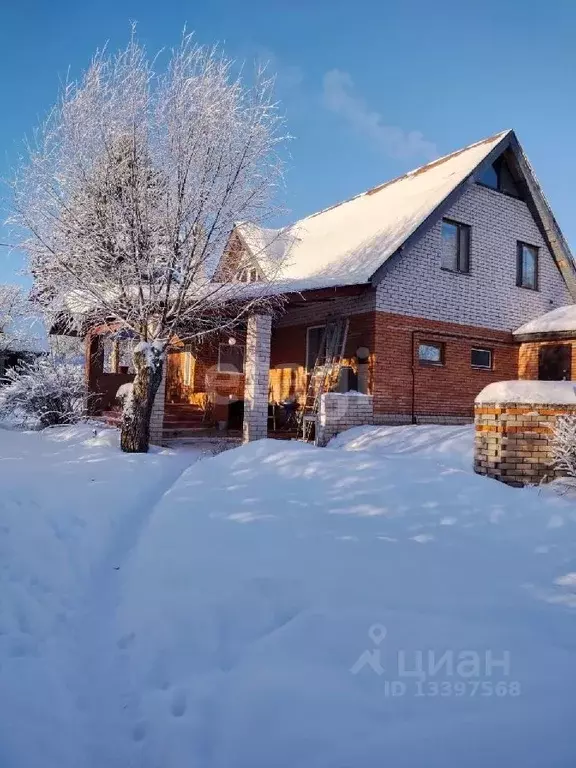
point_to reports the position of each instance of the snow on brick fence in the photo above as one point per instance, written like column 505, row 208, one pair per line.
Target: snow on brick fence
column 514, row 427
column 340, row 411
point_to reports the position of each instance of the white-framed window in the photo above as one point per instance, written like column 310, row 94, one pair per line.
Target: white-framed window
column 248, row 275
column 189, row 364
column 108, row 362
column 118, row 354
column 431, row 353
column 126, row 357
column 231, row 358
column 481, row 358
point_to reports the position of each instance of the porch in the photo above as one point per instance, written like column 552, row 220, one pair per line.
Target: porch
column 249, row 383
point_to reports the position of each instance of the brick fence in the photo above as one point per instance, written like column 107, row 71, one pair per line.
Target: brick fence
column 513, row 440
column 340, row 411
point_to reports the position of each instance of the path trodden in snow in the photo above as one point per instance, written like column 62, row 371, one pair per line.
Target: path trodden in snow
column 72, row 507
column 373, row 603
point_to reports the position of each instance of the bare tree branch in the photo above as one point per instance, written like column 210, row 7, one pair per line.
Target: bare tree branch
column 128, row 196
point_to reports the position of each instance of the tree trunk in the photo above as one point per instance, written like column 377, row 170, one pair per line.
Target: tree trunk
column 135, row 434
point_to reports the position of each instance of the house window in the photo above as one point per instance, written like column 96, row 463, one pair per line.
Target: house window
column 110, row 363
column 527, row 266
column 481, row 358
column 230, row 358
column 189, row 363
column 455, row 248
column 248, row 275
column 315, row 346
column 498, row 176
column 126, row 357
column 431, row 353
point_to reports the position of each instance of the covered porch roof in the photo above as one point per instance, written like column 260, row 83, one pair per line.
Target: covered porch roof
column 559, row 323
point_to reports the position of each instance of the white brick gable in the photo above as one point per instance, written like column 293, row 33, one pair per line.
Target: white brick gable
column 414, row 284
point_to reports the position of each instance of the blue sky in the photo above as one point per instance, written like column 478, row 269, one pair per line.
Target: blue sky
column 370, row 88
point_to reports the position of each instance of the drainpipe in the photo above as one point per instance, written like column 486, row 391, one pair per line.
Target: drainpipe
column 413, row 370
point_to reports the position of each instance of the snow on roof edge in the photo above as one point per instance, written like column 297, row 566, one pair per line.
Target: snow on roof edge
column 352, row 247
column 528, row 392
column 558, row 320
column 414, row 172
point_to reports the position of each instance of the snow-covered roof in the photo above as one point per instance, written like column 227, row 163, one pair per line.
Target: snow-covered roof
column 549, row 392
column 560, row 319
column 267, row 246
column 348, row 242
column 25, row 334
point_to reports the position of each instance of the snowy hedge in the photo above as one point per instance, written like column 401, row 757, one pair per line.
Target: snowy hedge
column 43, row 393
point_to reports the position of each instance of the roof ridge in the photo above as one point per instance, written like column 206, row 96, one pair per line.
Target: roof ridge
column 413, row 172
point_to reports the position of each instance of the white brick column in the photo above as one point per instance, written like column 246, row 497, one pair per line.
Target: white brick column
column 342, row 411
column 256, row 372
column 157, row 417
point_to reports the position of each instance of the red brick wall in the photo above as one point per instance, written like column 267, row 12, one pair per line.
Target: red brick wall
column 288, row 353
column 447, row 390
column 529, row 354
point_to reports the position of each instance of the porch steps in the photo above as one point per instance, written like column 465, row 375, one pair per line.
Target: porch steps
column 180, row 421
column 113, row 417
column 176, row 433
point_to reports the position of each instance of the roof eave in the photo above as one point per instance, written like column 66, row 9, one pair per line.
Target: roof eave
column 545, row 218
column 445, row 205
column 535, row 200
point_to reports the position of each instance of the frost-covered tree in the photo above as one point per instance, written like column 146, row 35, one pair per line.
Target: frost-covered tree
column 563, row 445
column 130, row 191
column 21, row 328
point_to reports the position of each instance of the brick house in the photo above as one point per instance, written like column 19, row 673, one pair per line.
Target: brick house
column 431, row 272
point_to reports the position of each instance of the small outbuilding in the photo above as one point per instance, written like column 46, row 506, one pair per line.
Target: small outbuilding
column 548, row 346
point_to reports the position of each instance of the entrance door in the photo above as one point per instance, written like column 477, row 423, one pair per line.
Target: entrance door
column 555, row 362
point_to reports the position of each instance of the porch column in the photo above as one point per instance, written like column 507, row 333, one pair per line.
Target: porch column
column 157, row 417
column 93, row 367
column 256, row 372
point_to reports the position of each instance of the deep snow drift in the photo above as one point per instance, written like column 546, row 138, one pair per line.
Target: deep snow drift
column 273, row 606
column 71, row 507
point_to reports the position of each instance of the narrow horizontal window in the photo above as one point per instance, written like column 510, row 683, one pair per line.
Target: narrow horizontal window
column 430, row 353
column 527, row 266
column 481, row 358
column 455, row 247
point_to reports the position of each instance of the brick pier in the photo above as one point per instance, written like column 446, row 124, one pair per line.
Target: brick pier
column 256, row 371
column 513, row 441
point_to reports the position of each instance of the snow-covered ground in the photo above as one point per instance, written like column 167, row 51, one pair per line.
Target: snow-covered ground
column 372, row 603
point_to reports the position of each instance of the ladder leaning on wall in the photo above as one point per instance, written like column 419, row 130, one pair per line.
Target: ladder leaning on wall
column 324, row 374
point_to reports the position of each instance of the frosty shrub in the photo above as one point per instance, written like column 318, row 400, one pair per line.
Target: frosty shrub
column 564, row 445
column 43, row 393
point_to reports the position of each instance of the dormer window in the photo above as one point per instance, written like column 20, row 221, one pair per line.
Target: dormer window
column 498, row 176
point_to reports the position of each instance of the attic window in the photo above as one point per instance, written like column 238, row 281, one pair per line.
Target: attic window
column 248, row 275
column 498, row 176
